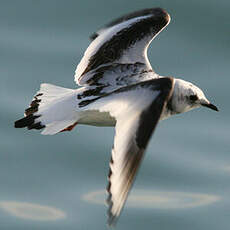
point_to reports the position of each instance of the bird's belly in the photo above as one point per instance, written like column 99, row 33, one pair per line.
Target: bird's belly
column 96, row 118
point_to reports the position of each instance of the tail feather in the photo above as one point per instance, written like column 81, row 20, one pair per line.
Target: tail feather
column 53, row 108
column 29, row 122
column 34, row 105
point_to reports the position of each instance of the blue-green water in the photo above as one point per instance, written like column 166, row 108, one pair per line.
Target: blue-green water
column 58, row 182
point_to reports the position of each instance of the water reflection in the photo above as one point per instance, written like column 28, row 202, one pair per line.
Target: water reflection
column 157, row 199
column 32, row 211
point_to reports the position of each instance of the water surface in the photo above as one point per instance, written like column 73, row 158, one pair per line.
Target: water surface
column 57, row 182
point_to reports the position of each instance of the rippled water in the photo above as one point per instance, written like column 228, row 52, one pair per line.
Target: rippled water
column 57, row 182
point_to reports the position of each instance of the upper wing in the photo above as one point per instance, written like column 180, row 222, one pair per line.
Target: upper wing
column 124, row 41
column 137, row 110
column 139, row 13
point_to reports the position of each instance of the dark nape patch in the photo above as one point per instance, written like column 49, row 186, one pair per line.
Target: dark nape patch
column 113, row 49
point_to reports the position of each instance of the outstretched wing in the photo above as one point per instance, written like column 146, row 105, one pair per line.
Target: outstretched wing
column 139, row 13
column 133, row 130
column 137, row 110
column 124, row 41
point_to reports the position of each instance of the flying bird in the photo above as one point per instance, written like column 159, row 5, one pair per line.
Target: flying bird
column 118, row 88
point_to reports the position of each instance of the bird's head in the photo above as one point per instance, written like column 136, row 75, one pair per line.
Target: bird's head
column 187, row 96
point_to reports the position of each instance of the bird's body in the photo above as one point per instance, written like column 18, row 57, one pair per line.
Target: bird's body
column 119, row 88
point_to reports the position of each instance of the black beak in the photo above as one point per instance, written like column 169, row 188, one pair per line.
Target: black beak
column 211, row 106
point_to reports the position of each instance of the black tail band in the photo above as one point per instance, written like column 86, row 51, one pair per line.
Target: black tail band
column 28, row 122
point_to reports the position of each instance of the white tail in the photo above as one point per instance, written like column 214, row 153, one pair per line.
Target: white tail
column 54, row 108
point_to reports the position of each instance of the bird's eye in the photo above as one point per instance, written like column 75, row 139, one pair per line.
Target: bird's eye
column 193, row 97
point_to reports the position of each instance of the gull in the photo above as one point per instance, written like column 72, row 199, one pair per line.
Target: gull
column 119, row 88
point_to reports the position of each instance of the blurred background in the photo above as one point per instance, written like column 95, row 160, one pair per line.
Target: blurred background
column 58, row 182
